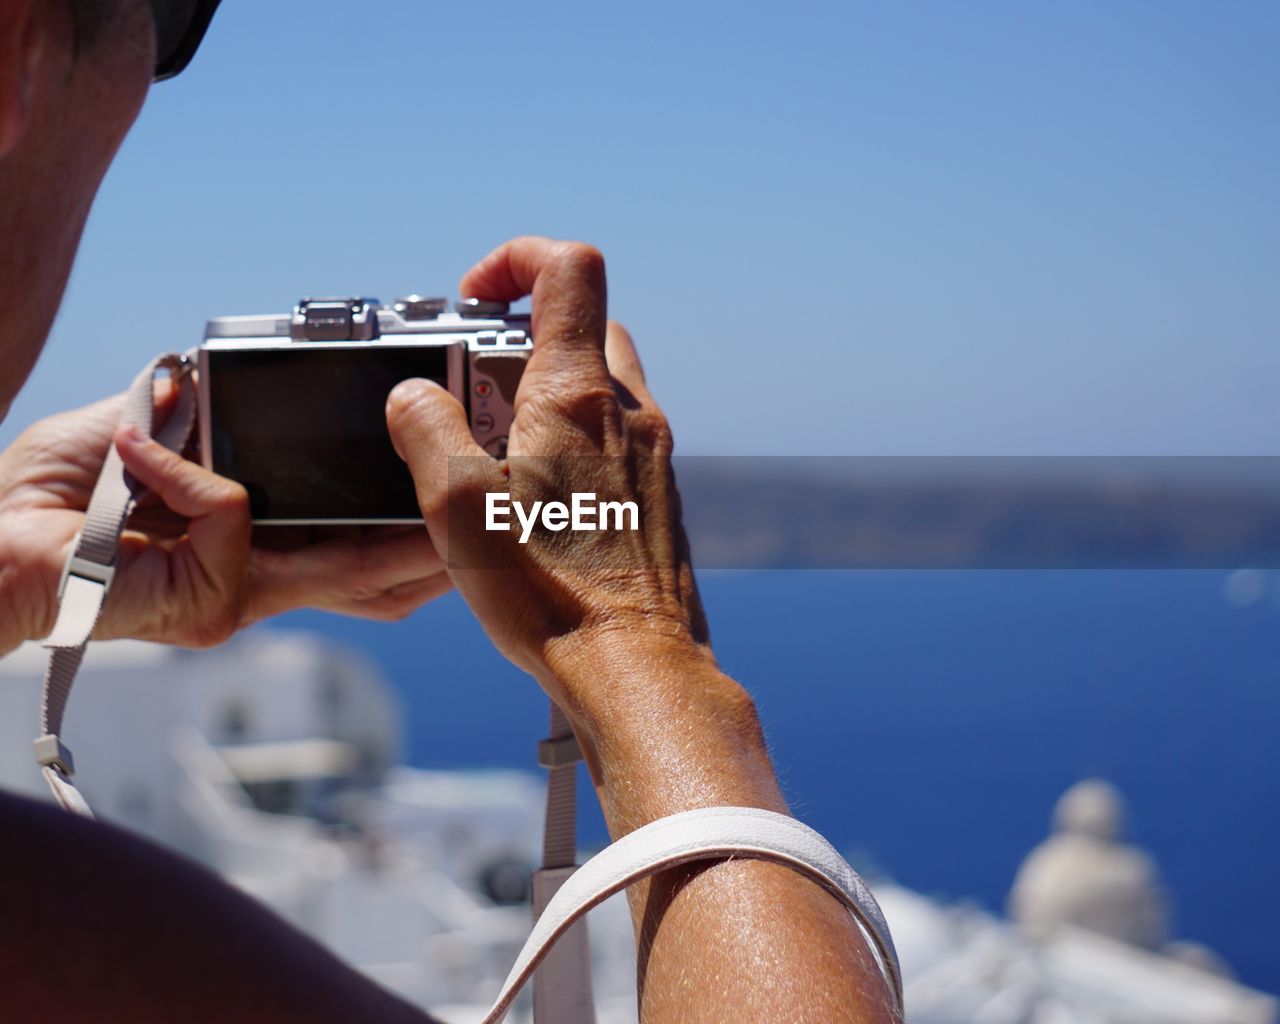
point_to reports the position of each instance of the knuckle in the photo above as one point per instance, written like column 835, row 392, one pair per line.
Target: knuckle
column 651, row 427
column 396, row 608
column 575, row 408
column 664, row 442
column 229, row 497
column 538, row 412
column 591, row 404
column 175, row 476
column 568, row 417
column 214, row 627
column 362, row 575
column 365, row 593
column 469, row 480
column 433, row 503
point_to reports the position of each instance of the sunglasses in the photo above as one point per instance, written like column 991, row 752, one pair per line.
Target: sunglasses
column 180, row 25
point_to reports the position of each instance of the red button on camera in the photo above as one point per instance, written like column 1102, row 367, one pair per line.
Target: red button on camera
column 484, row 389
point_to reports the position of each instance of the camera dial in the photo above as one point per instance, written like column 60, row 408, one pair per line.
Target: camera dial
column 415, row 307
column 481, row 308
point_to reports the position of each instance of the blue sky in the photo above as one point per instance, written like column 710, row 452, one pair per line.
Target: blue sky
column 833, row 228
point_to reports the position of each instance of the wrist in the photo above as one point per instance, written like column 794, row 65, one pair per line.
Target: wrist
column 603, row 676
column 662, row 728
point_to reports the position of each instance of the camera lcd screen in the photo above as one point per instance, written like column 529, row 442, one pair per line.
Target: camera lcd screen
column 305, row 430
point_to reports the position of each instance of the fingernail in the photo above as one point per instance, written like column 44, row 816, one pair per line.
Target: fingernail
column 133, row 434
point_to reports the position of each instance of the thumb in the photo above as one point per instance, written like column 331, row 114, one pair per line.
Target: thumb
column 429, row 427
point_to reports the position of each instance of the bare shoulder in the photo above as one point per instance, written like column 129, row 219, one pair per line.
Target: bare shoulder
column 101, row 925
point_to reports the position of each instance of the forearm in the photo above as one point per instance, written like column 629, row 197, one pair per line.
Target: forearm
column 734, row 941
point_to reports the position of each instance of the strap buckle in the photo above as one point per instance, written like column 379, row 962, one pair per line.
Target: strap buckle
column 51, row 752
column 86, row 569
column 560, row 752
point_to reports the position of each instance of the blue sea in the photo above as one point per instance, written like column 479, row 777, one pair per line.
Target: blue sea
column 927, row 721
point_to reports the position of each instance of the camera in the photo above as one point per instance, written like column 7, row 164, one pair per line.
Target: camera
column 292, row 406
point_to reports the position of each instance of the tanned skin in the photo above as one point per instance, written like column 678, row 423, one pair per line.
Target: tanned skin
column 611, row 625
column 98, row 925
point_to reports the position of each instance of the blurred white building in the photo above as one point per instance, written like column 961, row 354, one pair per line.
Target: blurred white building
column 275, row 760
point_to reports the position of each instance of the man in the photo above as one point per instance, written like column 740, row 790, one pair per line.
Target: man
column 96, row 925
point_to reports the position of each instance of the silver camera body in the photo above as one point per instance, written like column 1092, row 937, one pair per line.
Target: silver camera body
column 292, row 405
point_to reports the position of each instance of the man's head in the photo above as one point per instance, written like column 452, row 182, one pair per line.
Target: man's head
column 73, row 75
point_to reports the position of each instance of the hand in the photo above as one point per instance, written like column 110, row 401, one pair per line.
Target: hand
column 611, row 625
column 585, row 422
column 187, row 573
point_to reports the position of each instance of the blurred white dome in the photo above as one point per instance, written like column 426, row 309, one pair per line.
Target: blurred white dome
column 1093, row 807
column 1084, row 875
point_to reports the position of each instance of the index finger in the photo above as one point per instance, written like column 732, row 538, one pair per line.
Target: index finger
column 570, row 301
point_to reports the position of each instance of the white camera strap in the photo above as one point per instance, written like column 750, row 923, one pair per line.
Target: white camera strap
column 556, row 954
column 712, row 833
column 92, row 565
column 562, row 985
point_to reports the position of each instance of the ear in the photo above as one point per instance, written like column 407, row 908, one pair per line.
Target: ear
column 20, row 46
